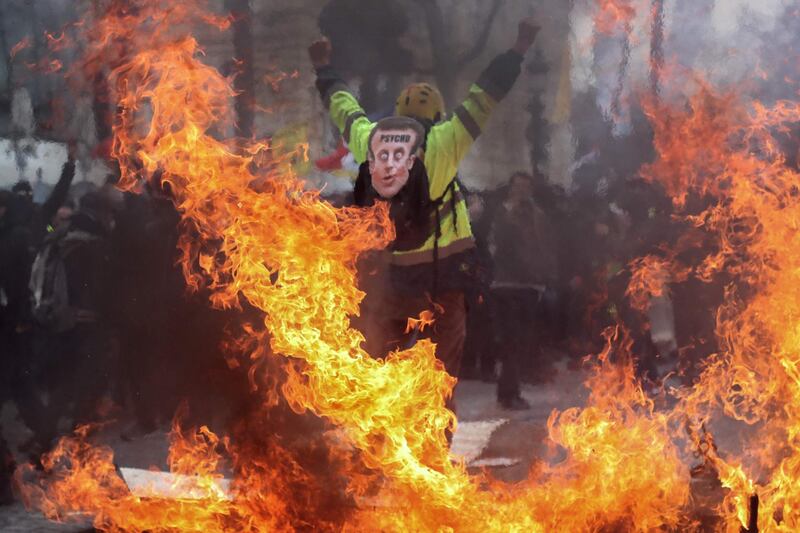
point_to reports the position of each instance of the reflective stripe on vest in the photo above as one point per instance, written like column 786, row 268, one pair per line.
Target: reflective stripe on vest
column 451, row 240
column 419, row 257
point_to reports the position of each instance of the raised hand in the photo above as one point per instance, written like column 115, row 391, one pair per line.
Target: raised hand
column 320, row 53
column 72, row 150
column 526, row 35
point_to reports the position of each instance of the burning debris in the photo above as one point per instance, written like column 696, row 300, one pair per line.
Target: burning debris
column 254, row 237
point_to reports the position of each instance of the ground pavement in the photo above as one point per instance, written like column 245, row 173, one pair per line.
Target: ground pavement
column 505, row 442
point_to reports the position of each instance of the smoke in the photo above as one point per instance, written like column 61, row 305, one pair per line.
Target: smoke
column 730, row 41
column 35, row 118
column 726, row 43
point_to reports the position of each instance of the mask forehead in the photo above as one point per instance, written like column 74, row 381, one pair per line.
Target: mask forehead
column 393, row 139
column 391, row 159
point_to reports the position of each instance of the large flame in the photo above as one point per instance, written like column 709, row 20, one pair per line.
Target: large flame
column 251, row 232
column 724, row 148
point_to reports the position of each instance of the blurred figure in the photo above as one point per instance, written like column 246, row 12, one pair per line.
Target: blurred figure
column 696, row 301
column 643, row 214
column 13, row 264
column 594, row 238
column 150, row 300
column 17, row 368
column 553, row 200
column 479, row 359
column 525, row 265
column 26, row 228
column 6, row 471
column 169, row 337
column 71, row 305
column 23, row 191
column 35, row 218
column 62, row 216
column 7, row 325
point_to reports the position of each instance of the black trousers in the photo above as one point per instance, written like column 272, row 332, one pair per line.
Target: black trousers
column 387, row 321
column 515, row 312
column 6, row 471
column 479, row 348
column 20, row 379
column 76, row 369
column 387, row 317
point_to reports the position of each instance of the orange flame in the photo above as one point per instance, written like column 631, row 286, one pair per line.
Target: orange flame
column 90, row 485
column 612, row 15
column 426, row 319
column 650, row 278
column 275, row 80
column 293, row 256
column 721, row 147
column 20, row 46
column 254, row 233
column 46, row 66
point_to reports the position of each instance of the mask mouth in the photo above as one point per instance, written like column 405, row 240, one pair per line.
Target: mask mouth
column 386, row 185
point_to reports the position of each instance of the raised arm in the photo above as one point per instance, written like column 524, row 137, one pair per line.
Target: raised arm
column 345, row 111
column 60, row 192
column 449, row 141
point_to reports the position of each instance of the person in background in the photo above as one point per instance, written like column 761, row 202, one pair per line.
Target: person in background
column 644, row 214
column 28, row 227
column 6, row 471
column 553, row 200
column 7, row 324
column 62, row 216
column 525, row 265
column 34, row 217
column 17, row 367
column 13, row 265
column 593, row 256
column 479, row 361
column 72, row 309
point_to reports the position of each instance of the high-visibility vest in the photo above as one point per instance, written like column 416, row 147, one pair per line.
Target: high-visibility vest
column 446, row 145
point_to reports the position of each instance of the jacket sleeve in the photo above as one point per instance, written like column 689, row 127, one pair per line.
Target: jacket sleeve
column 449, row 141
column 345, row 111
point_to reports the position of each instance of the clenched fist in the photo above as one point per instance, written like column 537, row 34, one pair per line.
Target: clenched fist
column 526, row 35
column 320, row 53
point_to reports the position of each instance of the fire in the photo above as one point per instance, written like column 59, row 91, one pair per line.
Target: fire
column 90, row 485
column 612, row 15
column 20, row 46
column 275, row 80
column 56, row 42
column 426, row 319
column 649, row 278
column 723, row 148
column 46, row 66
column 611, row 442
column 252, row 232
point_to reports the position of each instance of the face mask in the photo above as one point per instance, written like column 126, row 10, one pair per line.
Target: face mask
column 391, row 160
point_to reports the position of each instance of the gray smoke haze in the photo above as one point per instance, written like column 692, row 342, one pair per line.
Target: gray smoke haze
column 728, row 41
column 28, row 98
column 749, row 46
